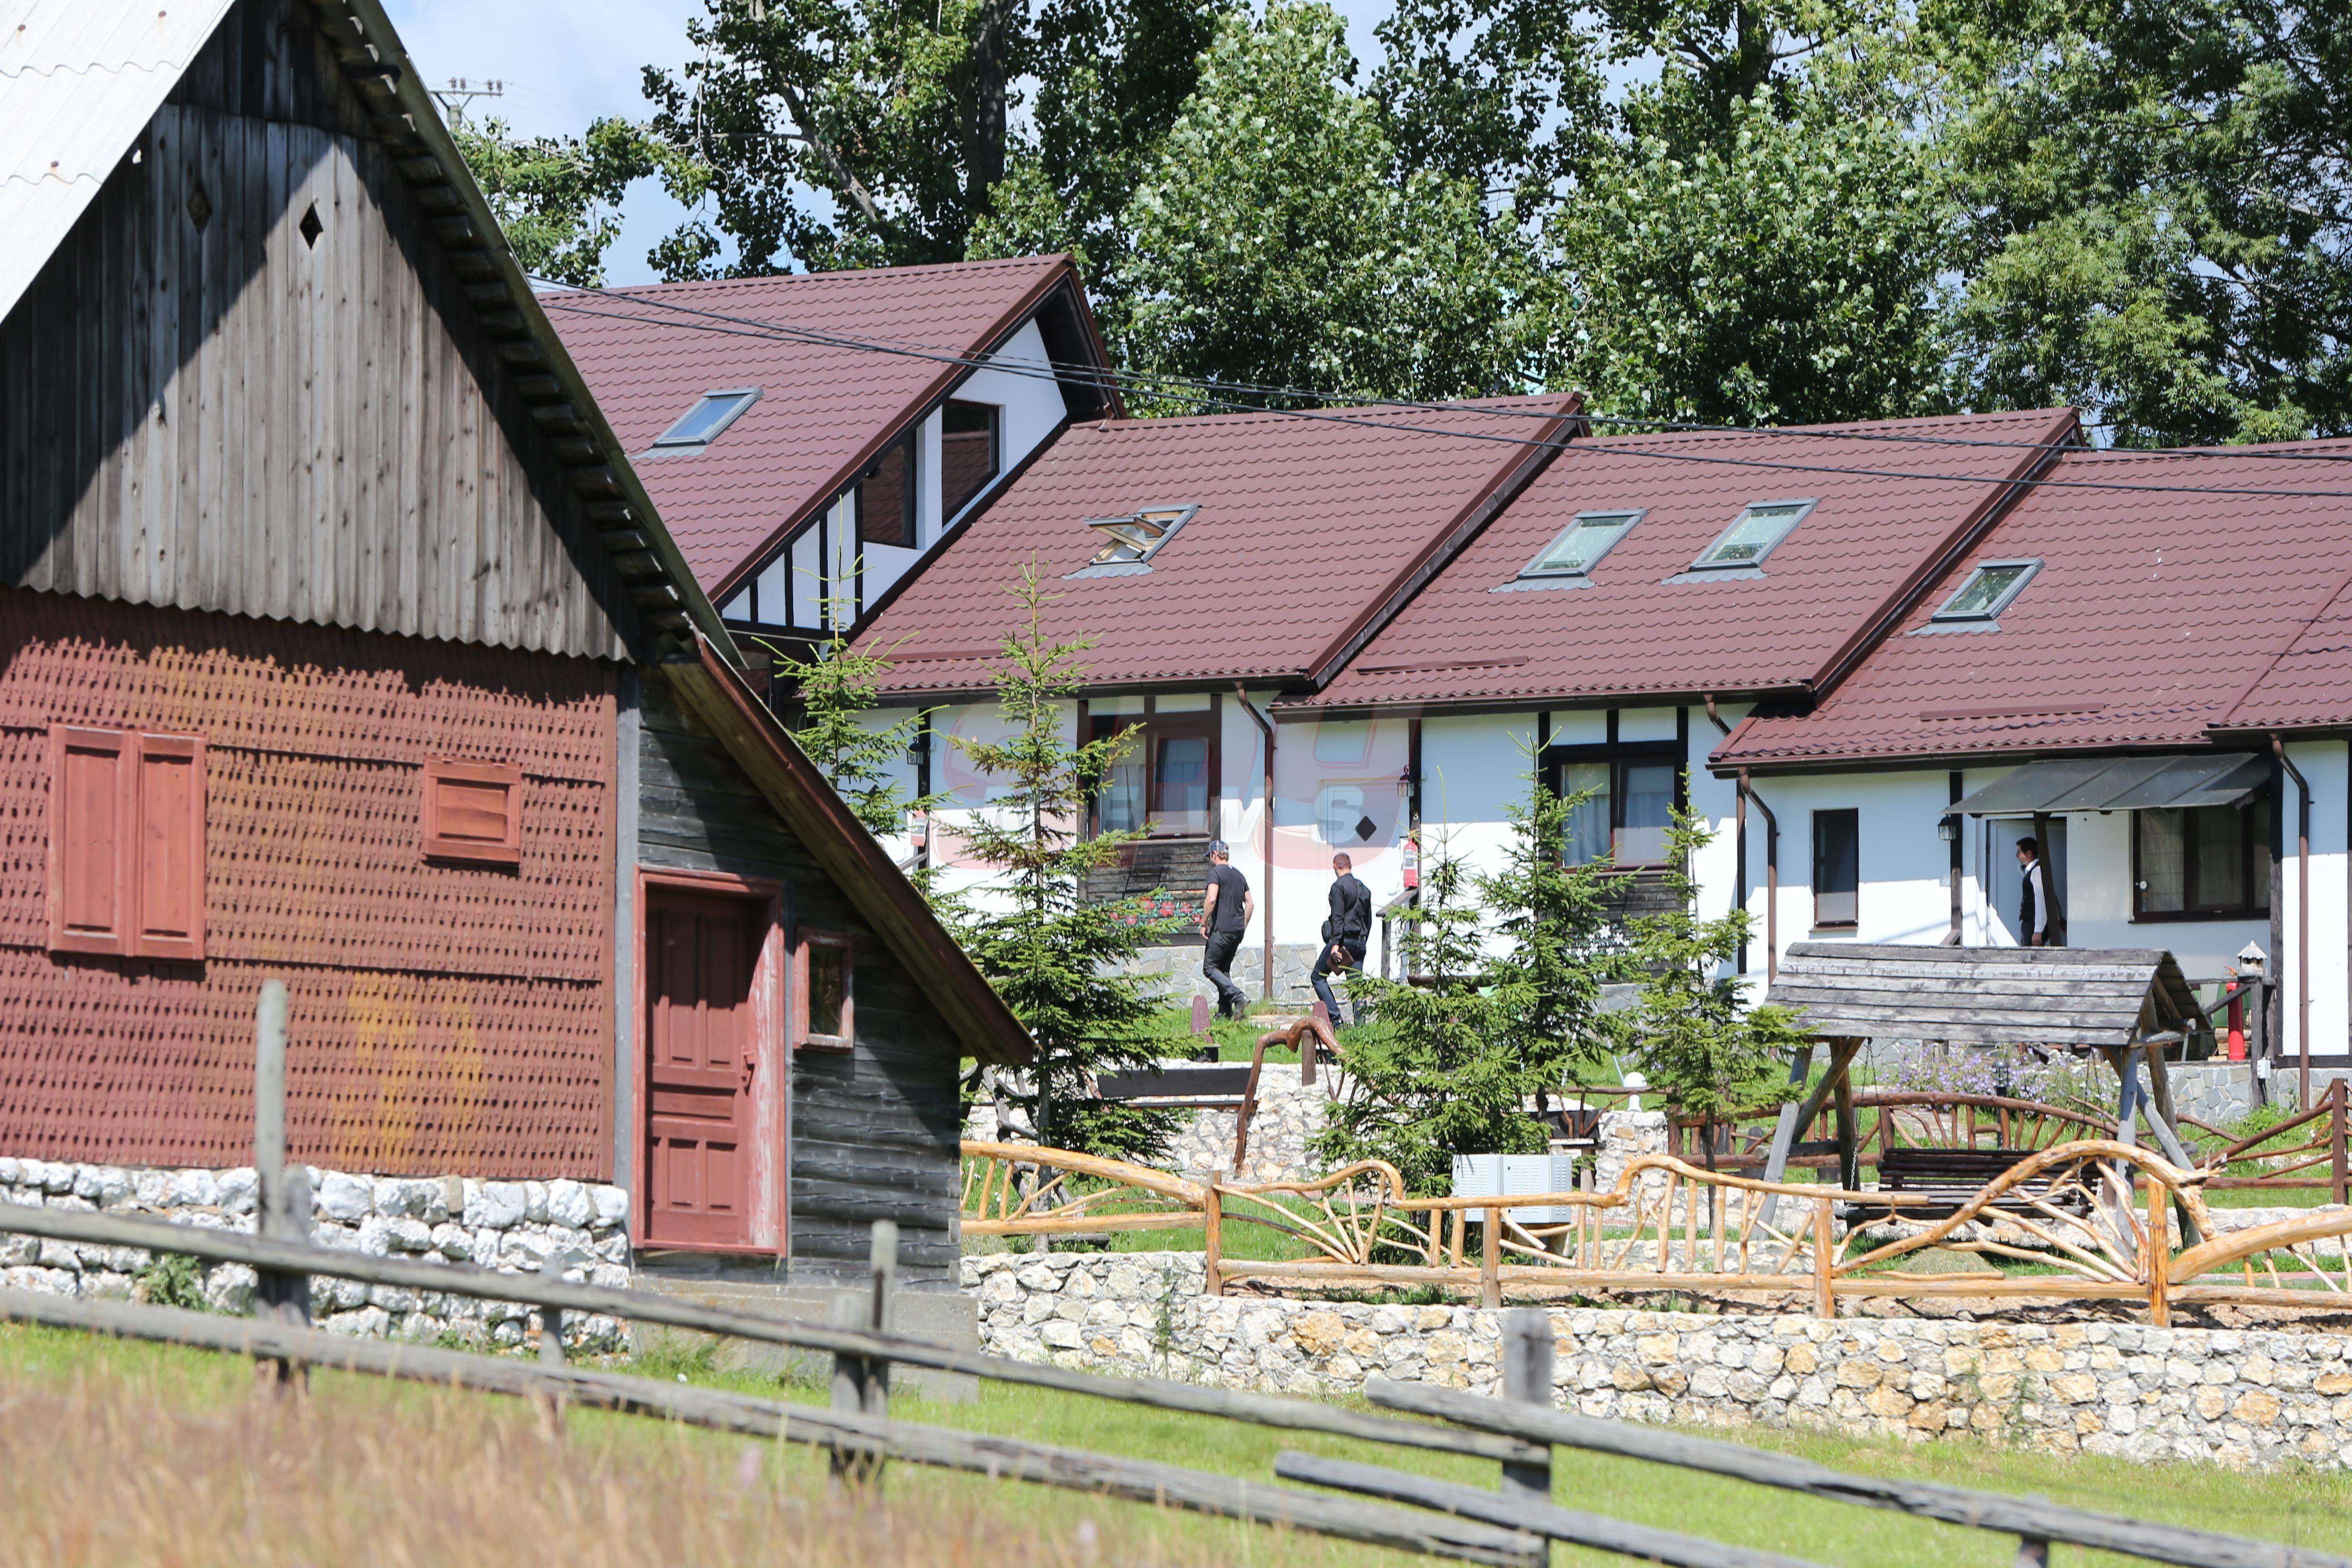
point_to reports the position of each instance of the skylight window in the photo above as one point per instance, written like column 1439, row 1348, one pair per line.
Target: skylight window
column 1582, row 544
column 1135, row 539
column 700, row 425
column 1989, row 590
column 1752, row 535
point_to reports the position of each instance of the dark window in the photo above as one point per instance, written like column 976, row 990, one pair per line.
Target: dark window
column 886, row 497
column 1165, row 783
column 825, row 1002
column 1629, row 805
column 969, row 452
column 1837, row 867
column 2201, row 860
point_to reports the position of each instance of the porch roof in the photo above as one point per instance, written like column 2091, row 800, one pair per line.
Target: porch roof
column 1984, row 995
column 2060, row 784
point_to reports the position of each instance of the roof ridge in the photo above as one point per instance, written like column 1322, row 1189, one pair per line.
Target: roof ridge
column 1030, row 263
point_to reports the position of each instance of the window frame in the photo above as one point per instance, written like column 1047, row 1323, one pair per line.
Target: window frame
column 435, row 846
column 804, row 941
column 910, row 521
column 1192, row 723
column 1945, row 616
column 1106, row 557
column 1620, row 756
column 1804, row 505
column 1535, row 572
column 1853, row 814
column 2258, row 850
column 948, row 514
column 135, row 815
column 669, row 443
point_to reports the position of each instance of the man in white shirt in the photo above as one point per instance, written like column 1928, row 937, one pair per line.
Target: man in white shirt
column 2040, row 921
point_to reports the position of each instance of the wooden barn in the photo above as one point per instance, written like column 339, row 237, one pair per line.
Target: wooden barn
column 338, row 642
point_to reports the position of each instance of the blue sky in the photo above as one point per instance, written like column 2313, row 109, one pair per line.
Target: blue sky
column 566, row 62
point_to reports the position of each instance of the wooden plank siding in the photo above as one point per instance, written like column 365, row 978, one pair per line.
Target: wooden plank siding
column 874, row 1132
column 1984, row 995
column 226, row 415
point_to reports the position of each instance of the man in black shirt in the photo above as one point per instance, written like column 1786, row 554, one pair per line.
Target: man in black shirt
column 1224, row 915
column 1346, row 931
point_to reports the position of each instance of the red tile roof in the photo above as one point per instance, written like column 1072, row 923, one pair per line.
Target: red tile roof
column 649, row 354
column 1629, row 633
column 2155, row 614
column 1308, row 528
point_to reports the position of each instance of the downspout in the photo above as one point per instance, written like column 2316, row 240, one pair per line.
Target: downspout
column 2302, row 922
column 1739, row 830
column 1265, row 905
column 1771, row 880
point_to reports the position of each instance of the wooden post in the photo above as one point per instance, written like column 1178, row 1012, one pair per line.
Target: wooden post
column 1848, row 1144
column 2336, row 1175
column 283, row 1196
column 1825, row 1284
column 861, row 1384
column 1528, row 1347
column 1213, row 1224
column 1490, row 1261
column 2159, row 1256
column 2033, row 1552
column 551, row 1336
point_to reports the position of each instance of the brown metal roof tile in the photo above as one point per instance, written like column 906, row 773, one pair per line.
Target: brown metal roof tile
column 649, row 353
column 1307, row 525
column 1473, row 637
column 2156, row 615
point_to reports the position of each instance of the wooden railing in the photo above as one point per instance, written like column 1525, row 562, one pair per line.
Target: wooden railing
column 2099, row 1215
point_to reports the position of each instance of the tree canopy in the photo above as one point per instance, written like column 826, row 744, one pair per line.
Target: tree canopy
column 1715, row 210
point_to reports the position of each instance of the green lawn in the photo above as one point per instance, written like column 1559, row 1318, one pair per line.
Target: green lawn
column 164, row 1456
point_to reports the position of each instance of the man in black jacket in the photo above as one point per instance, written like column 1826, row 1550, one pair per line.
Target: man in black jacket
column 2040, row 921
column 1345, row 931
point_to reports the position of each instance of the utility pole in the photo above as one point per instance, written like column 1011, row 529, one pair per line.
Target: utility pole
column 462, row 91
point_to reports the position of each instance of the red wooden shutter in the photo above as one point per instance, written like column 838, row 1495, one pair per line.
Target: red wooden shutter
column 473, row 811
column 92, row 808
column 168, row 893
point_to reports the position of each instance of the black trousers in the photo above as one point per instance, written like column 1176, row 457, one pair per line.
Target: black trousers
column 1324, row 967
column 1217, row 958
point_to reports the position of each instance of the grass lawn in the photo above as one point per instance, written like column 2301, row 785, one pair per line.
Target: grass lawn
column 136, row 1454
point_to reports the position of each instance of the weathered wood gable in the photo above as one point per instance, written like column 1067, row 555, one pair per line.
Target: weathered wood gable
column 874, row 1132
column 251, row 381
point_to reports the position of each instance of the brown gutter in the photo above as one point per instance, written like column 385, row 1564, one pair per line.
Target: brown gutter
column 1499, row 492
column 1265, row 907
column 2302, row 918
column 918, row 409
column 710, row 688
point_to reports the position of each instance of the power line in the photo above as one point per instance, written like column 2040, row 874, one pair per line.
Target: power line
column 722, row 323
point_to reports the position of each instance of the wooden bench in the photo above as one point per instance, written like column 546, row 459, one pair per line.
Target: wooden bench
column 1184, row 1087
column 1954, row 1177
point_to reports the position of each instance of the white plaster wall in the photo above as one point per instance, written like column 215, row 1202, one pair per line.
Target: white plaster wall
column 1033, row 409
column 2323, row 763
column 1905, row 885
column 1357, row 766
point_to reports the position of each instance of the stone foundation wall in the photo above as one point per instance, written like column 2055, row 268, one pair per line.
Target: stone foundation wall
column 2240, row 1399
column 1289, row 1115
column 578, row 1229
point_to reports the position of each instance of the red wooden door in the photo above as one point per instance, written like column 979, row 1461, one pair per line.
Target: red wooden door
column 700, row 1055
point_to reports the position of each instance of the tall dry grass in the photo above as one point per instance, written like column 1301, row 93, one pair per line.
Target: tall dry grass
column 135, row 1461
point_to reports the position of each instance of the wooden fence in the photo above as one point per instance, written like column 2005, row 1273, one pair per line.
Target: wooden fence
column 2111, row 1221
column 1510, row 1526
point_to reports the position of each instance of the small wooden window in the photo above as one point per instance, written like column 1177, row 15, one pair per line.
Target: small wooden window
column 824, row 992
column 126, row 843
column 1837, row 867
column 473, row 812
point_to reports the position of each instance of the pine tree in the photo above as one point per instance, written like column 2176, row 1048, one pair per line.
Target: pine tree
column 1560, row 944
column 1709, row 1054
column 1055, row 957
column 833, row 694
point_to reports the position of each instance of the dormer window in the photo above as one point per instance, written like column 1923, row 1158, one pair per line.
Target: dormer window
column 1991, row 588
column 1134, row 540
column 1753, row 535
column 701, row 425
column 1581, row 545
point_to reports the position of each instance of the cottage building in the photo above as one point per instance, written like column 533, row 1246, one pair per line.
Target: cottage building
column 339, row 641
column 2141, row 664
column 811, row 439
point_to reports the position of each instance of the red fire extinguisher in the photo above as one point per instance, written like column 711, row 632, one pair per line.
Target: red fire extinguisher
column 1412, row 861
column 2237, row 1019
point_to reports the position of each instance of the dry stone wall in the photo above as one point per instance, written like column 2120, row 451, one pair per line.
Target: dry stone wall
column 2240, row 1399
column 577, row 1229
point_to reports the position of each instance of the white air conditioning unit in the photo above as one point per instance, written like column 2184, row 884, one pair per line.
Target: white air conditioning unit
column 1504, row 1175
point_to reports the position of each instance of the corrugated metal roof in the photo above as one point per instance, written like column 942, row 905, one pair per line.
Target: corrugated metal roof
column 1306, row 526
column 79, row 80
column 2155, row 614
column 2062, row 785
column 1638, row 625
column 649, row 354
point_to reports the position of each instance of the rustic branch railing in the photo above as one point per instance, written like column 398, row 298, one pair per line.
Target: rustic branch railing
column 2095, row 1214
